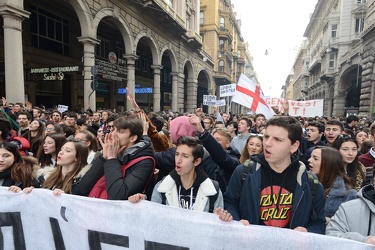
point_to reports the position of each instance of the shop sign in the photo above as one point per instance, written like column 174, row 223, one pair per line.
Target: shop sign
column 136, row 90
column 111, row 71
column 54, row 70
column 53, row 77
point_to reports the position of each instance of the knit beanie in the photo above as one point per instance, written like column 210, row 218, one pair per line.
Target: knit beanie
column 181, row 126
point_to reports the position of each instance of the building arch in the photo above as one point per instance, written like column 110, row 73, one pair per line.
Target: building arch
column 85, row 19
column 151, row 42
column 120, row 23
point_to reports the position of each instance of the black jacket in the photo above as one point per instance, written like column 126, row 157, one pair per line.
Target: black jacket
column 136, row 177
column 226, row 160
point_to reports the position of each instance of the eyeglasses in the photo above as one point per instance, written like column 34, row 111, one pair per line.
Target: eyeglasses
column 80, row 140
column 109, row 127
column 207, row 122
column 49, row 129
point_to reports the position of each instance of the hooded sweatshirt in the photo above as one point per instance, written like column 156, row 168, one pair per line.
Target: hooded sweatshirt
column 194, row 198
column 355, row 219
column 276, row 194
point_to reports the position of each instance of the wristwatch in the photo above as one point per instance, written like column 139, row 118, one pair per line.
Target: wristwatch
column 200, row 134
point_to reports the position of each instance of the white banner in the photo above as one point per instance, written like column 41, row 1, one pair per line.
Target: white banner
column 220, row 103
column 209, row 100
column 227, row 90
column 276, row 102
column 309, row 108
column 40, row 220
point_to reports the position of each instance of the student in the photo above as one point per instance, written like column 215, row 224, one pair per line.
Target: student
column 218, row 146
column 88, row 139
column 15, row 171
column 35, row 136
column 260, row 120
column 276, row 191
column 355, row 170
column 315, row 132
column 47, row 154
column 239, row 142
column 327, row 164
column 71, row 166
column 332, row 130
column 254, row 146
column 120, row 146
column 368, row 159
column 355, row 220
column 187, row 186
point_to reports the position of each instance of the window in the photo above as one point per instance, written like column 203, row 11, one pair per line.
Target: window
column 187, row 24
column 221, row 65
column 239, row 53
column 331, row 60
column 222, row 23
column 334, row 30
column 49, row 31
column 102, row 49
column 359, row 25
column 201, row 18
column 221, row 46
column 119, row 50
column 361, row 1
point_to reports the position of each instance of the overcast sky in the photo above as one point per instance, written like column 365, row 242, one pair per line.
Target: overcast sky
column 278, row 27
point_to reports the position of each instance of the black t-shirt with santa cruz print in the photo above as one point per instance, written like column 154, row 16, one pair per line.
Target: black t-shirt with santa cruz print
column 276, row 195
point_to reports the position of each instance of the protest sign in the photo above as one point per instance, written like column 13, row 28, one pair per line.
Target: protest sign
column 309, row 108
column 209, row 100
column 220, row 102
column 227, row 90
column 40, row 220
column 62, row 108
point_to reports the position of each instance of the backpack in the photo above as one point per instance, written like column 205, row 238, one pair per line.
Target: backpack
column 99, row 190
column 212, row 198
column 22, row 144
column 312, row 180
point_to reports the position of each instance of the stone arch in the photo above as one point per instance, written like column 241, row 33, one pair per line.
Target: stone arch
column 121, row 24
column 204, row 86
column 151, row 42
column 85, row 19
column 172, row 57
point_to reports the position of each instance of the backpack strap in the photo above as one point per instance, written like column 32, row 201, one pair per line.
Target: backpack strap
column 247, row 167
column 313, row 183
column 214, row 197
column 131, row 163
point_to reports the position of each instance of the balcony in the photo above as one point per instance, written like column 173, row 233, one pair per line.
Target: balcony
column 222, row 77
column 327, row 74
column 223, row 54
column 225, row 33
column 194, row 38
column 241, row 60
column 316, row 62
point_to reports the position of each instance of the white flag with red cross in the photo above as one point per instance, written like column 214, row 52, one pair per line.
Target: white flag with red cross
column 248, row 94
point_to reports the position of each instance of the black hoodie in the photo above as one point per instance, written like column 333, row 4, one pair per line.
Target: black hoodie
column 276, row 193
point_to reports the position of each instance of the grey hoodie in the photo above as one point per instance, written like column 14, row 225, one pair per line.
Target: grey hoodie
column 355, row 219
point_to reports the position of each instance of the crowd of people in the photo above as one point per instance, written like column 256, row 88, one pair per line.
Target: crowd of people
column 307, row 174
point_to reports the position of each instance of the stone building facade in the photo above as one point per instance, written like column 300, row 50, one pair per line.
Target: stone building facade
column 84, row 53
column 332, row 64
column 152, row 47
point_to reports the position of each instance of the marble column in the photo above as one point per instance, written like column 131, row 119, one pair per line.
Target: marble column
column 89, row 44
column 174, row 91
column 13, row 15
column 157, row 69
column 192, row 94
column 130, row 60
